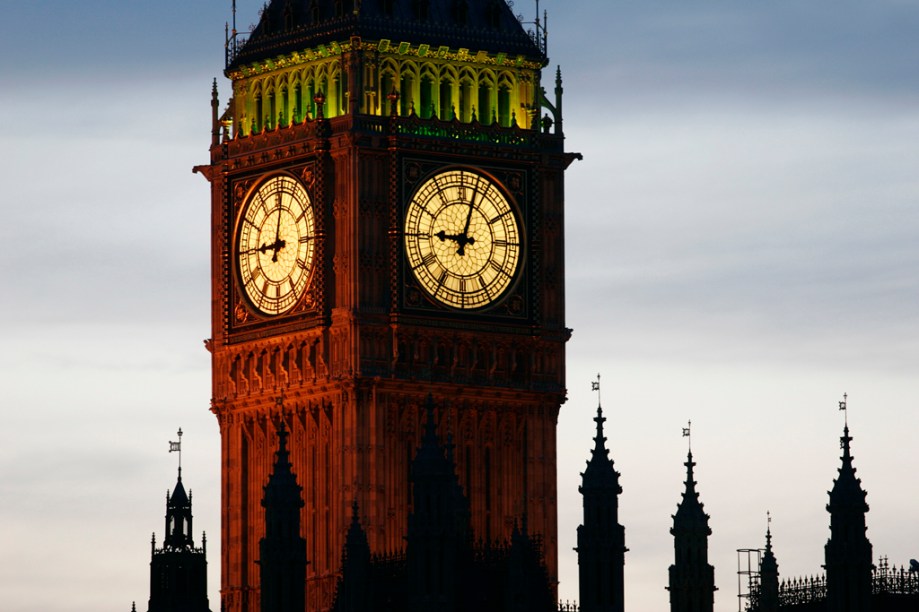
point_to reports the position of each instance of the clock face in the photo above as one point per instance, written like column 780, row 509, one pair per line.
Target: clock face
column 275, row 247
column 462, row 239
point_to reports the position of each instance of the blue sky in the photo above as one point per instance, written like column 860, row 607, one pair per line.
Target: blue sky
column 742, row 249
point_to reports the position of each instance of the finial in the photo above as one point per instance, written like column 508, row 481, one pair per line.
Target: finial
column 393, row 97
column 595, row 386
column 846, row 438
column 177, row 447
column 768, row 530
column 282, row 437
column 687, row 433
column 319, row 99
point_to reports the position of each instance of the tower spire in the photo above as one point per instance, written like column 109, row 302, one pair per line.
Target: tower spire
column 768, row 574
column 438, row 527
column 178, row 508
column 282, row 552
column 848, row 551
column 692, row 578
column 178, row 570
column 601, row 539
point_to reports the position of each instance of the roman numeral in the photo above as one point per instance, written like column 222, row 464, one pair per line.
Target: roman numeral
column 497, row 267
column 426, row 261
column 504, row 214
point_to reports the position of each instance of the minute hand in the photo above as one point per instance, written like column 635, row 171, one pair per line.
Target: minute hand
column 466, row 239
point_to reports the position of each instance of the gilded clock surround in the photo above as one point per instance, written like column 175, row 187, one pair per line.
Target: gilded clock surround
column 275, row 244
column 515, row 299
column 463, row 241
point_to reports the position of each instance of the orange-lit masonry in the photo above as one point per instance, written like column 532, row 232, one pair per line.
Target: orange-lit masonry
column 347, row 369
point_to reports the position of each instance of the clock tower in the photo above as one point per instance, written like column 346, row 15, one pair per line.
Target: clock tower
column 387, row 223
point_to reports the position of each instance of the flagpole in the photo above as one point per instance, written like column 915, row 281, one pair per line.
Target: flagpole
column 177, row 447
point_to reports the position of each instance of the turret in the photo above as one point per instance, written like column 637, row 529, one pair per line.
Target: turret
column 178, row 570
column 768, row 578
column 282, row 551
column 601, row 539
column 354, row 591
column 527, row 588
column 439, row 537
column 692, row 579
column 848, row 551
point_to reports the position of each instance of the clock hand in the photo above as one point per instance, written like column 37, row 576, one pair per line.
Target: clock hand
column 465, row 238
column 278, row 243
column 475, row 190
column 461, row 240
column 274, row 246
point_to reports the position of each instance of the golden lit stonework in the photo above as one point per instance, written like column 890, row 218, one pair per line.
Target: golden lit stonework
column 462, row 239
column 275, row 244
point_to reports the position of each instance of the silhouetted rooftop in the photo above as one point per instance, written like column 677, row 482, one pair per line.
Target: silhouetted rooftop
column 479, row 25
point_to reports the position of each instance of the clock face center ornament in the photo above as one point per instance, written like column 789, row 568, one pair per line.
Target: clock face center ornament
column 462, row 239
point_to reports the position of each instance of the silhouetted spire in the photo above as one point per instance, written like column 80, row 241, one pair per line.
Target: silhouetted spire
column 354, row 591
column 178, row 517
column 601, row 539
column 527, row 588
column 439, row 536
column 692, row 579
column 848, row 552
column 847, row 494
column 178, row 570
column 282, row 551
column 768, row 577
column 690, row 516
column 600, row 472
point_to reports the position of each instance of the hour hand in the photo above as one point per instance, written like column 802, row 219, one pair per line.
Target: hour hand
column 275, row 246
column 461, row 241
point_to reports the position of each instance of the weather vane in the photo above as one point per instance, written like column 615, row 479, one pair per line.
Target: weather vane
column 176, row 447
column 843, row 406
column 687, row 433
column 595, row 386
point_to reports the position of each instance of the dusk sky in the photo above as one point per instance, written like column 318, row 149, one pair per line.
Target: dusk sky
column 742, row 249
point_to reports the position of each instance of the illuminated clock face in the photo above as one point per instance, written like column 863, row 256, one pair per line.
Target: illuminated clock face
column 276, row 244
column 462, row 239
